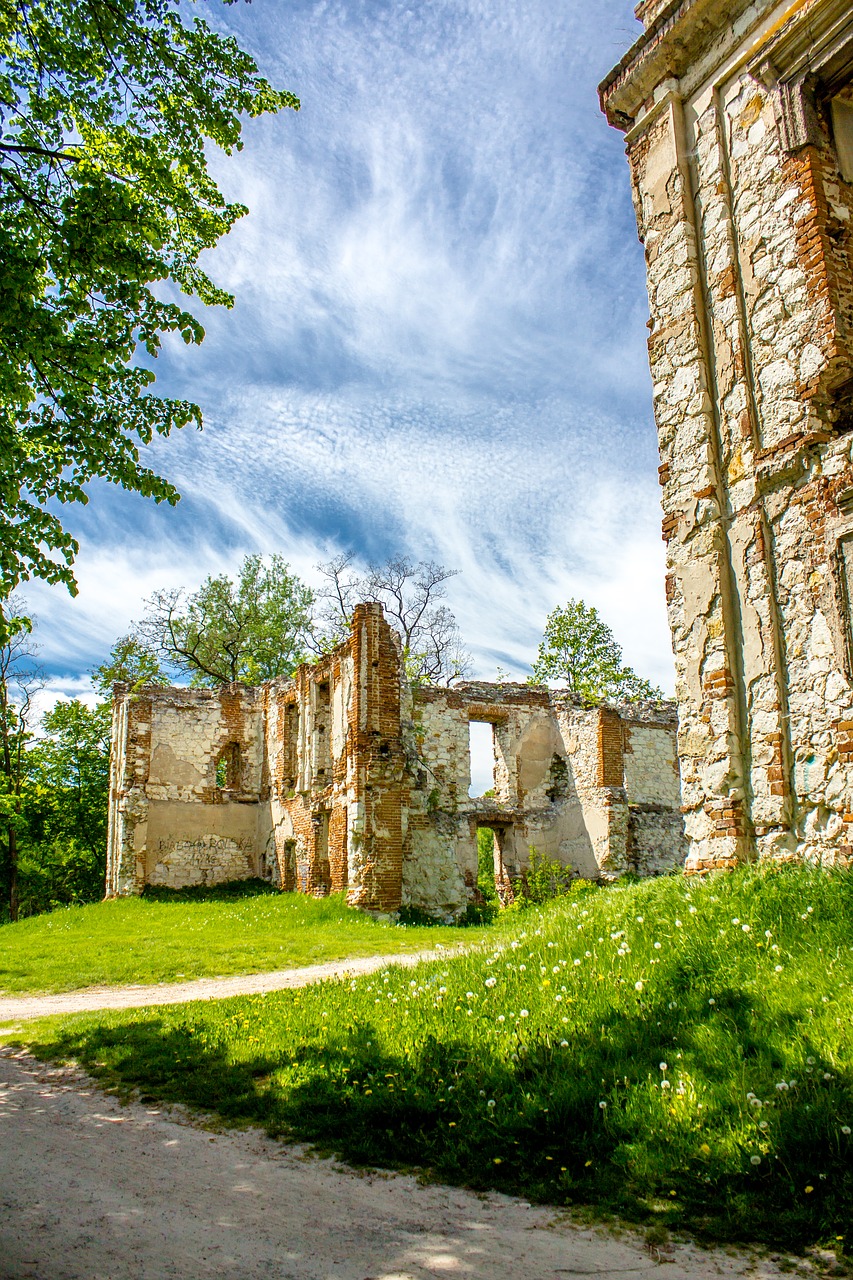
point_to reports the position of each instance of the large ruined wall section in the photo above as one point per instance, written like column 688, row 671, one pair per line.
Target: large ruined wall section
column 308, row 784
column 792, row 219
column 747, row 234
column 171, row 824
column 594, row 788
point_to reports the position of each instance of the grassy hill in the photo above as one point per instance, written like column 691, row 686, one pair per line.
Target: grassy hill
column 677, row 1051
column 197, row 934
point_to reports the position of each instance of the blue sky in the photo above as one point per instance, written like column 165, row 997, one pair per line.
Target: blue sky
column 438, row 343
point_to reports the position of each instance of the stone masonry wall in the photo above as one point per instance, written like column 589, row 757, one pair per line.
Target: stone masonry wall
column 747, row 221
column 346, row 779
column 170, row 824
column 314, row 793
column 561, row 787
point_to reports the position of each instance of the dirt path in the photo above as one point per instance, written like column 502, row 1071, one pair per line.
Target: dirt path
column 93, row 1190
column 14, row 1009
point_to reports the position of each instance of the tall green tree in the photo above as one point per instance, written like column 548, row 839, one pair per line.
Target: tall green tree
column 20, row 680
column 107, row 112
column 130, row 662
column 252, row 629
column 63, row 848
column 580, row 651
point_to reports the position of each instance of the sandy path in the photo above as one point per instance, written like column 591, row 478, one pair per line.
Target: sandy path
column 15, row 1009
column 92, row 1190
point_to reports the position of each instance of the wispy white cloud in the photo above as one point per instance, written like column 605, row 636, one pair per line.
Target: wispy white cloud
column 438, row 340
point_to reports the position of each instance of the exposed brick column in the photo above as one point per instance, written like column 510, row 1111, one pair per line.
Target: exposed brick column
column 377, row 764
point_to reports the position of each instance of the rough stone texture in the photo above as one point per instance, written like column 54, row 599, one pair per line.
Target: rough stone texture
column 747, row 220
column 346, row 778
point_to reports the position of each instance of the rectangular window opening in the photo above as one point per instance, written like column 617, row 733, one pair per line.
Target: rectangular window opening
column 481, row 748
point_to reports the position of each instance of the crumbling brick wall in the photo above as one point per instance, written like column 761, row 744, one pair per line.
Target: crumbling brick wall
column 560, row 786
column 170, row 823
column 346, row 779
column 747, row 218
column 316, row 794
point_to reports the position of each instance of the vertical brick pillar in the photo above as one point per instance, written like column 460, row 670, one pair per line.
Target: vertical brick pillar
column 377, row 765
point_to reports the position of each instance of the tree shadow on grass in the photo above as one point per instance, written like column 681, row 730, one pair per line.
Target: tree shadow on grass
column 467, row 1114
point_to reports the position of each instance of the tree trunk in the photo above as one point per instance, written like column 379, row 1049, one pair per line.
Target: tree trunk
column 13, row 874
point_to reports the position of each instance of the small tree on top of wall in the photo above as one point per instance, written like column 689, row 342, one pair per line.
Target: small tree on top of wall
column 580, row 652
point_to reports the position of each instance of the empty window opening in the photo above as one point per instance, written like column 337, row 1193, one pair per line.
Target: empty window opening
column 481, row 746
column 322, row 876
column 497, row 866
column 269, row 868
column 228, row 768
column 289, row 874
column 322, row 734
column 486, row 864
column 290, row 754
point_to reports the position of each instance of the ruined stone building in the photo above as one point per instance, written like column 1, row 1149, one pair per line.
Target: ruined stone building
column 738, row 119
column 347, row 778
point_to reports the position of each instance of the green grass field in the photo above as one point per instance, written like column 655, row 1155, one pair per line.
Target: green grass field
column 197, row 934
column 677, row 1052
